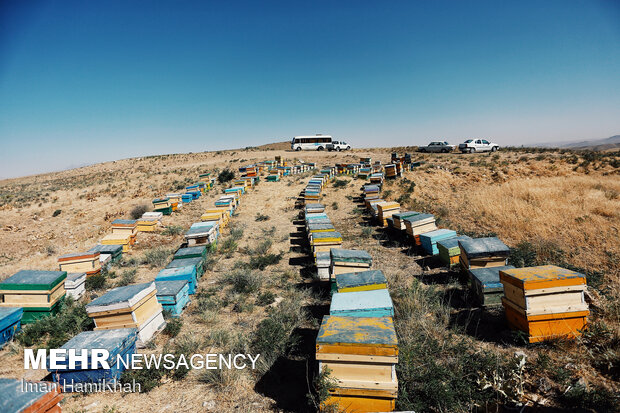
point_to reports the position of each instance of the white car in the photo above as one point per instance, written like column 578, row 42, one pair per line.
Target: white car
column 443, row 147
column 478, row 145
column 338, row 146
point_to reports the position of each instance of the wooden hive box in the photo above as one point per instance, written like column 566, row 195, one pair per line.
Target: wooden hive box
column 419, row 224
column 343, row 261
column 449, row 250
column 191, row 252
column 108, row 253
column 75, row 284
column 273, row 178
column 184, row 273
column 173, row 296
column 88, row 262
column 147, row 224
column 196, row 262
column 360, row 281
column 125, row 227
column 545, row 302
column 371, row 303
column 41, row 398
column 322, row 265
column 202, row 234
column 10, row 323
column 120, row 343
column 399, row 219
column 390, row 171
column 187, row 198
column 125, row 241
column 486, row 286
column 223, row 212
column 314, row 227
column 324, row 241
column 153, row 214
column 483, row 252
column 312, row 208
column 39, row 293
column 429, row 239
column 385, row 210
column 361, row 354
column 133, row 306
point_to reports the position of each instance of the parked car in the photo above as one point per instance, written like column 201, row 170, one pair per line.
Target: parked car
column 437, row 146
column 338, row 146
column 478, row 145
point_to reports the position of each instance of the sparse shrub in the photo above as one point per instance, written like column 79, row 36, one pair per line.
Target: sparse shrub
column 260, row 217
column 225, row 176
column 265, row 298
column 138, row 211
column 262, row 248
column 53, row 332
column 260, row 262
column 236, row 233
column 322, row 383
column 220, row 379
column 173, row 327
column 97, row 281
column 127, row 277
column 335, row 205
column 172, row 230
column 147, row 378
column 228, row 246
column 57, row 212
column 244, row 282
column 366, row 232
column 219, row 337
column 50, row 250
column 156, row 257
column 593, row 399
column 340, row 183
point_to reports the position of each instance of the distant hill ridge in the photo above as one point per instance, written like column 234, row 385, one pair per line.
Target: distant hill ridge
column 613, row 142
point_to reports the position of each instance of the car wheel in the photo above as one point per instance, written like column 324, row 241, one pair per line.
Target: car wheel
column 298, row 148
column 444, row 151
column 472, row 150
column 320, row 148
column 493, row 149
column 348, row 148
column 339, row 149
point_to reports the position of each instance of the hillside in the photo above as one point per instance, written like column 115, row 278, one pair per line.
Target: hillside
column 557, row 207
column 611, row 143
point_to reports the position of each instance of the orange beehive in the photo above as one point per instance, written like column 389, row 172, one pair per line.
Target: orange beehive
column 545, row 302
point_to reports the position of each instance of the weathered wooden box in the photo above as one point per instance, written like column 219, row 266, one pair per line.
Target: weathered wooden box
column 486, row 286
column 75, row 284
column 88, row 262
column 173, row 296
column 429, row 239
column 449, row 250
column 10, row 323
column 184, row 273
column 360, row 281
column 17, row 396
column 483, row 252
column 373, row 303
column 343, row 261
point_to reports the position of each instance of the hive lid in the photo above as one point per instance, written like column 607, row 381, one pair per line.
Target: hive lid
column 75, row 276
column 378, row 331
column 315, row 226
column 172, row 287
column 544, row 276
column 75, row 255
column 33, row 280
column 184, row 262
column 14, row 399
column 338, row 254
column 107, row 249
column 198, row 250
column 176, row 271
column 124, row 222
column 361, row 300
column 115, row 341
column 489, row 277
column 439, row 234
column 6, row 312
column 419, row 219
column 452, row 242
column 327, row 235
column 484, row 247
column 403, row 215
column 120, row 297
column 355, row 279
column 323, row 258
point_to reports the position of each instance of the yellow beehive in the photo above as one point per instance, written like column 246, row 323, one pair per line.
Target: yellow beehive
column 385, row 210
column 88, row 262
column 113, row 239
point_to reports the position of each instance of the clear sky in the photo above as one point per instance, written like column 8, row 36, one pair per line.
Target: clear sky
column 89, row 81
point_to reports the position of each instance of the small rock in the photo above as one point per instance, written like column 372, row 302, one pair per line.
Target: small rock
column 209, row 405
column 91, row 406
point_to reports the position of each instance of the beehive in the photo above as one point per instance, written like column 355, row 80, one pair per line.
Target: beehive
column 419, row 224
column 483, row 252
column 147, row 224
column 360, row 281
column 486, row 286
column 322, row 265
column 343, row 261
column 173, row 296
column 133, row 306
column 183, row 273
column 324, row 241
column 205, row 234
column 545, row 302
column 369, row 303
column 10, row 323
column 17, row 396
column 312, row 208
column 125, row 227
column 449, row 250
column 187, row 198
column 399, row 218
column 196, row 262
column 385, row 210
column 108, row 253
column 88, row 262
column 162, row 205
column 361, row 354
column 75, row 284
column 120, row 343
column 125, row 241
column 39, row 293
column 191, row 252
column 429, row 239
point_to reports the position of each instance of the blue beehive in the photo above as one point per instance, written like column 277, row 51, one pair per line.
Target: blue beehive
column 16, row 396
column 197, row 262
column 10, row 323
column 118, row 342
column 429, row 239
column 187, row 273
column 173, row 296
column 486, row 285
column 375, row 303
column 187, row 198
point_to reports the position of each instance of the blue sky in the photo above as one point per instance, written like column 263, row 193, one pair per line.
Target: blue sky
column 89, row 81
